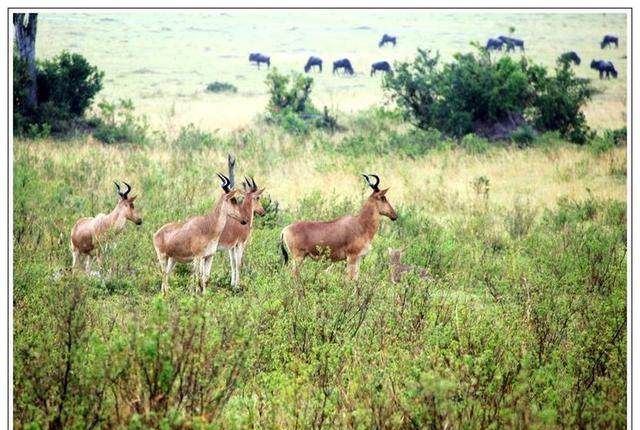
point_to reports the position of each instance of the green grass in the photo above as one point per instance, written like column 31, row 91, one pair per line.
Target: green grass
column 523, row 324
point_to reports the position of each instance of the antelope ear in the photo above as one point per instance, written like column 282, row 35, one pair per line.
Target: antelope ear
column 231, row 193
column 132, row 198
column 259, row 192
column 383, row 192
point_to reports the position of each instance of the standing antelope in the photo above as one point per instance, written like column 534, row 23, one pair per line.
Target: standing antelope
column 345, row 238
column 235, row 235
column 197, row 238
column 86, row 232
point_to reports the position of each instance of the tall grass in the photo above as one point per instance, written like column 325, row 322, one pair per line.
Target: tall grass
column 522, row 325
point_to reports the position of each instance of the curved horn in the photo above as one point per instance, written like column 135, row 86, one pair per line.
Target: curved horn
column 126, row 193
column 225, row 182
column 254, row 187
column 118, row 188
column 377, row 178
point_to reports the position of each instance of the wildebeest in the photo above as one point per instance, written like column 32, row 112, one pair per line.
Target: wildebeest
column 512, row 42
column 570, row 57
column 380, row 66
column 387, row 39
column 313, row 61
column 604, row 67
column 343, row 64
column 256, row 57
column 608, row 40
column 494, row 44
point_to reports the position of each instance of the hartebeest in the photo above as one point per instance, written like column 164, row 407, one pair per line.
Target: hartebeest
column 86, row 233
column 345, row 238
column 235, row 235
column 197, row 238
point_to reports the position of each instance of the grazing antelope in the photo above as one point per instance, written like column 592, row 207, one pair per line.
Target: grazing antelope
column 235, row 235
column 345, row 238
column 398, row 269
column 86, row 232
column 197, row 238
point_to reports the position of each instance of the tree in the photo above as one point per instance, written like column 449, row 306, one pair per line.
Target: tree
column 25, row 26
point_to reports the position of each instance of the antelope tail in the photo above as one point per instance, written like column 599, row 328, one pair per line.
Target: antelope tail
column 283, row 248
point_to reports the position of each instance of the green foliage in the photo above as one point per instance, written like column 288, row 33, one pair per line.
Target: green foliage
column 191, row 137
column 474, row 92
column 558, row 101
column 524, row 136
column 474, row 144
column 221, row 87
column 290, row 106
column 66, row 86
column 117, row 123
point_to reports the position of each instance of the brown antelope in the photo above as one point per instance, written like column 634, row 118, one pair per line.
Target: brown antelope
column 197, row 238
column 86, row 232
column 346, row 238
column 235, row 235
column 398, row 269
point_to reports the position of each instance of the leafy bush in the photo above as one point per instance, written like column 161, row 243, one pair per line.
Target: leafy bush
column 474, row 94
column 523, row 136
column 221, row 87
column 474, row 144
column 290, row 105
column 191, row 137
column 66, row 86
column 117, row 123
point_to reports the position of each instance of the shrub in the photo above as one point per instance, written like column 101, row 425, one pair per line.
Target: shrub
column 191, row 137
column 221, row 87
column 117, row 123
column 290, row 105
column 66, row 86
column 523, row 136
column 474, row 144
column 558, row 101
column 474, row 94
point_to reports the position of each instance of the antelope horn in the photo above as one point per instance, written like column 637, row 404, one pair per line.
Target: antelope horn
column 117, row 188
column 225, row 182
column 254, row 187
column 126, row 193
column 375, row 186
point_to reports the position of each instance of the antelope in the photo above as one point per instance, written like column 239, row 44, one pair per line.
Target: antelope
column 196, row 239
column 86, row 233
column 346, row 238
column 235, row 235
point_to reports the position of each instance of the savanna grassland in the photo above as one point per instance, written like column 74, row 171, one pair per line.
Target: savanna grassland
column 521, row 323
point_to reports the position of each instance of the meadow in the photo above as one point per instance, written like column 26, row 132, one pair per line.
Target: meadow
column 522, row 323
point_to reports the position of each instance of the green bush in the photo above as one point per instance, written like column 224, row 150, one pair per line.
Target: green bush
column 524, row 136
column 474, row 93
column 66, row 86
column 117, row 123
column 191, row 137
column 290, row 105
column 221, row 87
column 474, row 144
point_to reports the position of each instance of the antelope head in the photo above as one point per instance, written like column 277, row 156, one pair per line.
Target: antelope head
column 378, row 197
column 252, row 192
column 229, row 204
column 125, row 205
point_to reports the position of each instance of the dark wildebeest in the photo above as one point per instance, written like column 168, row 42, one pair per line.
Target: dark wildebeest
column 608, row 40
column 387, row 39
column 603, row 67
column 343, row 64
column 570, row 57
column 380, row 66
column 494, row 45
column 512, row 42
column 313, row 61
column 258, row 58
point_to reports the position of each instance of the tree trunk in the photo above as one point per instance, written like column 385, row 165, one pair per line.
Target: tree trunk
column 25, row 38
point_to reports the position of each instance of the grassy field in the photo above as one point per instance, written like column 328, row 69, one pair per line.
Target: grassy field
column 163, row 61
column 522, row 323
